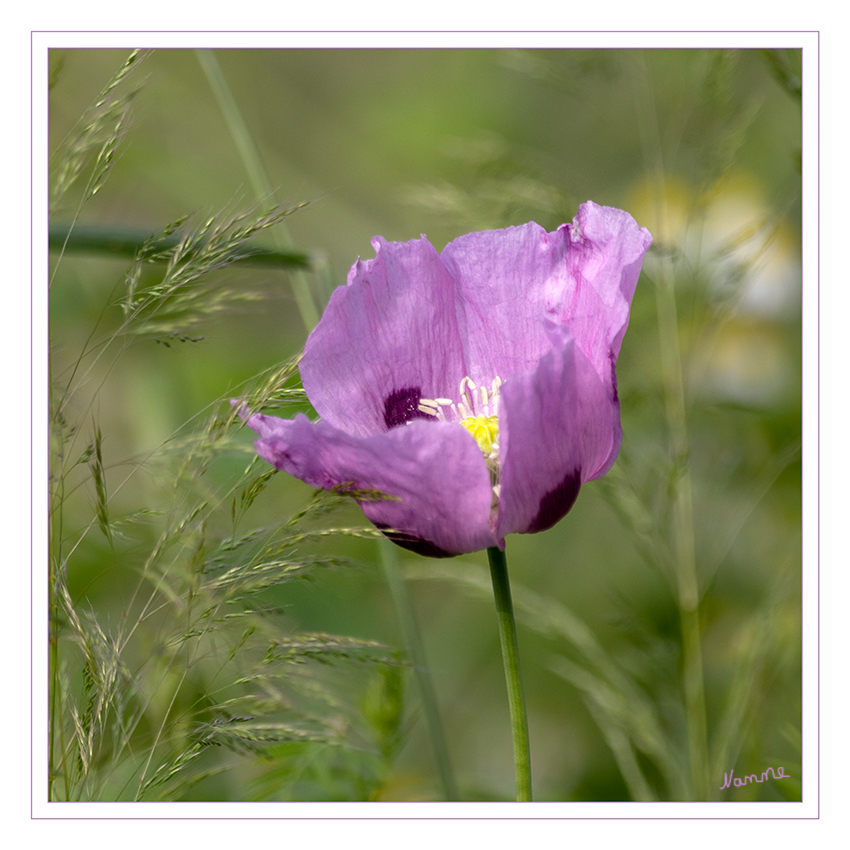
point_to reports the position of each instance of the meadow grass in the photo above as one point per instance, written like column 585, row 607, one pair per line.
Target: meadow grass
column 197, row 659
column 186, row 679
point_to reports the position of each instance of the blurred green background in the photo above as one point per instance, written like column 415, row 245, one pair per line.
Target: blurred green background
column 700, row 146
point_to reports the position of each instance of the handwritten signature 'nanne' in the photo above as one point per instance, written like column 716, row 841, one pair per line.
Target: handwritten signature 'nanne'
column 738, row 782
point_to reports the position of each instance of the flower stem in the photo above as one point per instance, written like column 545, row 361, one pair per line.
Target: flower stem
column 510, row 657
column 416, row 653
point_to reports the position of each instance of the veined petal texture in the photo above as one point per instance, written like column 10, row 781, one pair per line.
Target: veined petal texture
column 471, row 392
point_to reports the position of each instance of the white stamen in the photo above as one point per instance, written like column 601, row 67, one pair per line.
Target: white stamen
column 467, row 393
column 473, row 402
column 432, row 408
column 477, row 404
column 485, row 401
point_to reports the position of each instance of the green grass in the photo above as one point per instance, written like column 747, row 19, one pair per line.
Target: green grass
column 220, row 632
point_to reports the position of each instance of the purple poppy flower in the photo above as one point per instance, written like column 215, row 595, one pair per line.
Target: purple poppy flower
column 474, row 390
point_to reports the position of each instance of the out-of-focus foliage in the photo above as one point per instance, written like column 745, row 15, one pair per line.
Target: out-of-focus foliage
column 183, row 643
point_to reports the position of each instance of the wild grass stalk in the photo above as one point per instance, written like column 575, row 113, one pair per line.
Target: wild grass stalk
column 305, row 300
column 189, row 670
column 174, row 672
column 264, row 191
column 647, row 692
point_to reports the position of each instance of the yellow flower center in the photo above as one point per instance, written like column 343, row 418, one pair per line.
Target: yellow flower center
column 485, row 429
column 477, row 410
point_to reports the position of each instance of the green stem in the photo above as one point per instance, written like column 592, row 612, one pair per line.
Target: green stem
column 684, row 549
column 257, row 175
column 510, row 657
column 127, row 242
column 416, row 653
column 683, row 545
column 56, row 722
column 53, row 629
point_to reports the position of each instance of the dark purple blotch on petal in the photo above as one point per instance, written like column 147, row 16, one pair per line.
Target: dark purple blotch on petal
column 557, row 502
column 401, row 406
column 414, row 544
column 613, row 361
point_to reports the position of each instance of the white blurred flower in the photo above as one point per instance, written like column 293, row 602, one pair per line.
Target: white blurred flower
column 731, row 242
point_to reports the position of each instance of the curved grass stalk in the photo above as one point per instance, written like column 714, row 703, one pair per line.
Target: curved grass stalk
column 416, row 652
column 682, row 549
column 256, row 174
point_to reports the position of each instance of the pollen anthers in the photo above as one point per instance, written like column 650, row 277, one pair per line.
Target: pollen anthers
column 477, row 410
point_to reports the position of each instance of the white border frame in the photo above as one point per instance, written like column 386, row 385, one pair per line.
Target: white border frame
column 809, row 807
